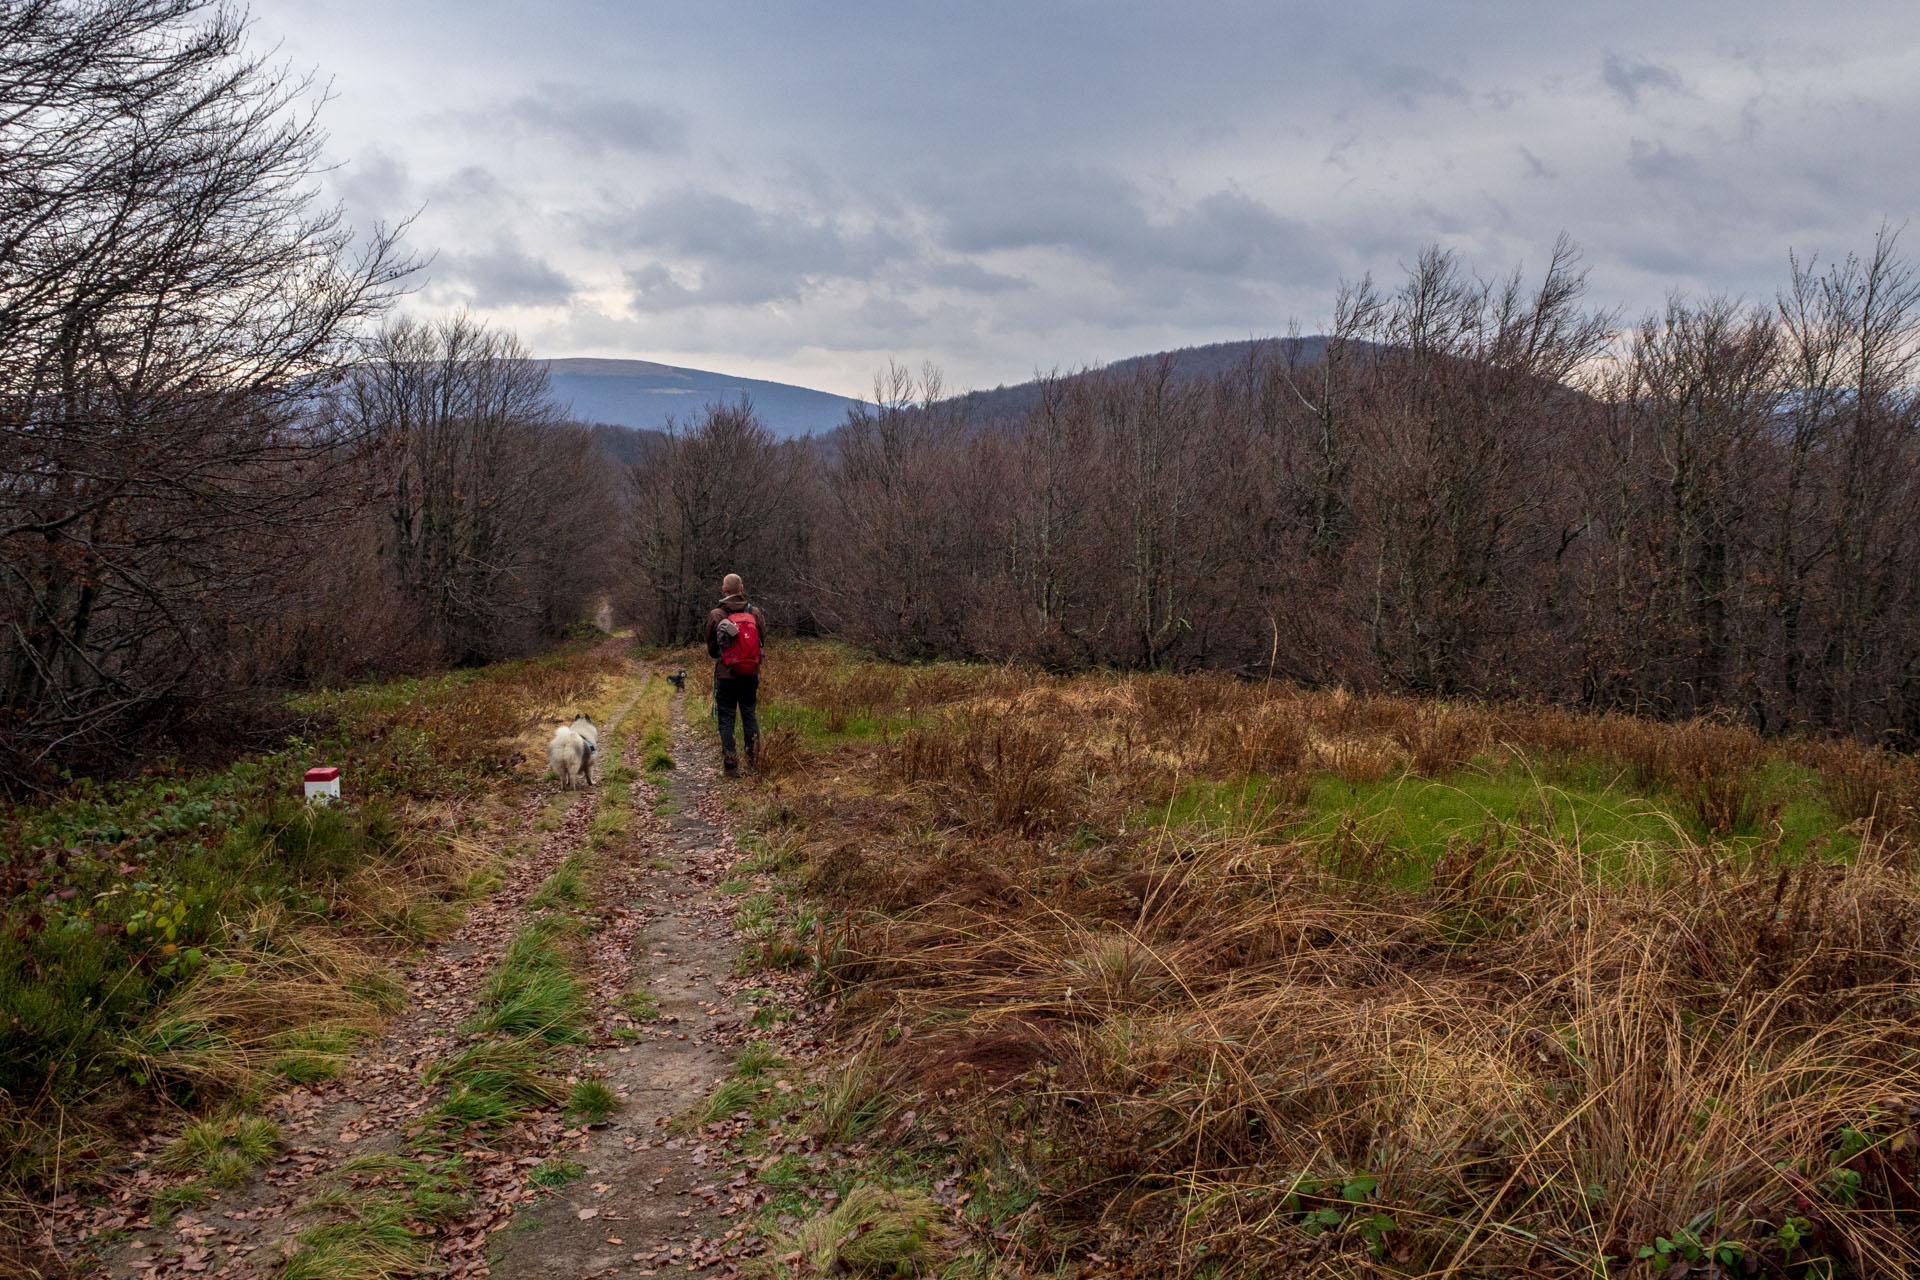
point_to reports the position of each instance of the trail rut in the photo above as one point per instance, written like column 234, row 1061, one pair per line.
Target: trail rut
column 650, row 1199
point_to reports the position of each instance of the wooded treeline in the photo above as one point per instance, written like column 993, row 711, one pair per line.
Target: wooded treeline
column 1475, row 488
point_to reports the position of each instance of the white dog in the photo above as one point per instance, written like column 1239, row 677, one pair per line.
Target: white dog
column 570, row 754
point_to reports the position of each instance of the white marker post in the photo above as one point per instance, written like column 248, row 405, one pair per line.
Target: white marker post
column 323, row 785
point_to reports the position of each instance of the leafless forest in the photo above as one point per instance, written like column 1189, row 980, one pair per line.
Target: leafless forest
column 225, row 470
column 1476, row 488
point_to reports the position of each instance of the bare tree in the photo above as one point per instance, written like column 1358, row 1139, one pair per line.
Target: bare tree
column 496, row 516
column 721, row 497
column 172, row 303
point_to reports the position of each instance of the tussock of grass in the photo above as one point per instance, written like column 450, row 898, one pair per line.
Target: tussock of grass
column 223, row 1151
column 554, row 1173
column 592, row 1101
column 566, row 887
column 853, row 1100
column 730, row 1096
column 169, row 1202
column 534, row 992
column 756, row 1060
column 494, row 1082
column 873, row 1231
column 377, row 1244
column 430, row 1185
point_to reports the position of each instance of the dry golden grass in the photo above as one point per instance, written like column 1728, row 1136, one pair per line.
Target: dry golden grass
column 1249, row 1053
column 219, row 1033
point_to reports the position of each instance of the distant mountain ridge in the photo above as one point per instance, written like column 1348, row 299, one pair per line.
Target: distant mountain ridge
column 1189, row 363
column 644, row 395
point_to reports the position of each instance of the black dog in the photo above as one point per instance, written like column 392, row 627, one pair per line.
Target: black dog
column 678, row 679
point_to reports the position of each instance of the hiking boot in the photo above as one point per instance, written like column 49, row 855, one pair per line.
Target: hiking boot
column 729, row 763
column 753, row 755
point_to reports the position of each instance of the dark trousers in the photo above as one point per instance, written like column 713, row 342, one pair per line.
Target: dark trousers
column 742, row 692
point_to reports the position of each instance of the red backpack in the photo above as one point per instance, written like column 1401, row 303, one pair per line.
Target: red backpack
column 741, row 654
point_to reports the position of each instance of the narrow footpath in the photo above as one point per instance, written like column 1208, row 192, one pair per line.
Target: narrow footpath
column 628, row 1196
column 650, row 1198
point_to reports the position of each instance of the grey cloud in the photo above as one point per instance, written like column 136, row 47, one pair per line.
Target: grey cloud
column 889, row 316
column 376, row 183
column 595, row 123
column 471, row 184
column 744, row 255
column 1156, row 174
column 1655, row 162
column 1536, row 167
column 1629, row 79
column 504, row 276
column 655, row 288
column 1061, row 208
column 1102, row 217
column 1411, row 87
column 959, row 273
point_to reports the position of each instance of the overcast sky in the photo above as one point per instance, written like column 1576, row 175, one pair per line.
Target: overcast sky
column 802, row 191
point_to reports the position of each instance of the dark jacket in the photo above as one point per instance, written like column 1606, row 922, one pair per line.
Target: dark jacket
column 727, row 605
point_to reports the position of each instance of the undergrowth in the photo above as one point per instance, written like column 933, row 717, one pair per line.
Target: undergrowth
column 188, row 937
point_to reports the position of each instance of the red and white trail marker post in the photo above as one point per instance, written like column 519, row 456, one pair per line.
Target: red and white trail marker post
column 323, row 785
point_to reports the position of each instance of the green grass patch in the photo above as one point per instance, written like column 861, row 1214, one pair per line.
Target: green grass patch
column 308, row 1055
column 554, row 1173
column 732, row 1096
column 496, row 1082
column 640, row 1004
column 592, row 1101
column 534, row 993
column 375, row 1243
column 431, row 1185
column 656, row 732
column 756, row 1060
column 566, row 887
column 1420, row 817
column 556, row 809
column 169, row 1202
column 223, row 1151
column 787, row 1172
column 123, row 894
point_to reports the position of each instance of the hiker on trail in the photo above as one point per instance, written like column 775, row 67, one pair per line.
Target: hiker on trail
column 735, row 632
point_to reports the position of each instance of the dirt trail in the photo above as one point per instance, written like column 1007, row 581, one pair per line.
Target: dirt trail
column 650, row 1199
column 248, row 1231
